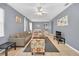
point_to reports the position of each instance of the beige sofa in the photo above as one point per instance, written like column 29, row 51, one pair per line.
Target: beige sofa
column 20, row 38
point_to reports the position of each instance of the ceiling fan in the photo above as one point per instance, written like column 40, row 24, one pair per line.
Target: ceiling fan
column 40, row 11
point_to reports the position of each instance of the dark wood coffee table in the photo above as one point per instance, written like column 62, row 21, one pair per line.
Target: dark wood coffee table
column 7, row 45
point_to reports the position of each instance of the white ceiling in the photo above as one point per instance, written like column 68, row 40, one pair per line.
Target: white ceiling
column 28, row 10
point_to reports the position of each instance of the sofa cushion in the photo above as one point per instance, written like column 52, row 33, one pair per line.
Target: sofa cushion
column 21, row 35
column 17, row 35
column 12, row 36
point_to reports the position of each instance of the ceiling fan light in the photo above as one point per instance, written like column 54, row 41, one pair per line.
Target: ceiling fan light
column 40, row 11
column 44, row 12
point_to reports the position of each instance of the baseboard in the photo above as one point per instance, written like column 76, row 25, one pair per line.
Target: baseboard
column 72, row 48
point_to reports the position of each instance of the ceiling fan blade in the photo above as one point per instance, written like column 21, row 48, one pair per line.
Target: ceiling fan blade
column 44, row 12
column 40, row 11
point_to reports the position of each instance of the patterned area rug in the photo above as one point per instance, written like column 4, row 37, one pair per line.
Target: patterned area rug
column 49, row 47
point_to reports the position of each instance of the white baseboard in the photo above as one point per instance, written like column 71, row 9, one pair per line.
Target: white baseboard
column 72, row 48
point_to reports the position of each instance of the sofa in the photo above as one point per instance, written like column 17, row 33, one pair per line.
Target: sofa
column 20, row 38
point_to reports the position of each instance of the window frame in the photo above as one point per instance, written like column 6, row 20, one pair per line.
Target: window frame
column 2, row 22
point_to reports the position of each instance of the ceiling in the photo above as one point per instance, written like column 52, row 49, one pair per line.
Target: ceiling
column 28, row 10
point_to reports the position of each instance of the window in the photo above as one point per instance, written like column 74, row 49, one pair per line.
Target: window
column 30, row 24
column 25, row 24
column 1, row 22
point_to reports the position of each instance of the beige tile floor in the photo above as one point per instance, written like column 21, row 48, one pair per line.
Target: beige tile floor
column 64, row 50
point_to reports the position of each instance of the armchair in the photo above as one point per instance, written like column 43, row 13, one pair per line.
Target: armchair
column 59, row 37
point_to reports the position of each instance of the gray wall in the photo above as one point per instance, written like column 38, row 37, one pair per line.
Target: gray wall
column 70, row 32
column 10, row 22
column 34, row 25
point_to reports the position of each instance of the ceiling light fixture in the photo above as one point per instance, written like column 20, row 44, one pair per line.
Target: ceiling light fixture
column 40, row 11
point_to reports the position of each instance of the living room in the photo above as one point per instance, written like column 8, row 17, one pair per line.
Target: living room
column 20, row 25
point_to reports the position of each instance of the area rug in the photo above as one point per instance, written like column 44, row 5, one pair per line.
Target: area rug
column 49, row 47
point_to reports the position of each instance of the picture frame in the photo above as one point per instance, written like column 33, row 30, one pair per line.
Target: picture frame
column 62, row 21
column 18, row 19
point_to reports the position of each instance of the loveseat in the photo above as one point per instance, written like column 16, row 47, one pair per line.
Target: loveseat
column 21, row 38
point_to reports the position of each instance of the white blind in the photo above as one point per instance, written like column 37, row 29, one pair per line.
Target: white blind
column 25, row 24
column 30, row 24
column 1, row 22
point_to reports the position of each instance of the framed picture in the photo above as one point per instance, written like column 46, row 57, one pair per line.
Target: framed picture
column 18, row 19
column 62, row 21
column 66, row 20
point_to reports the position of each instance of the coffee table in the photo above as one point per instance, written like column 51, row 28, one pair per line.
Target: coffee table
column 38, row 46
column 7, row 45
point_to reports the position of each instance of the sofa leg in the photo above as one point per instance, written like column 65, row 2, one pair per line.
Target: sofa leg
column 32, row 53
column 43, row 53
